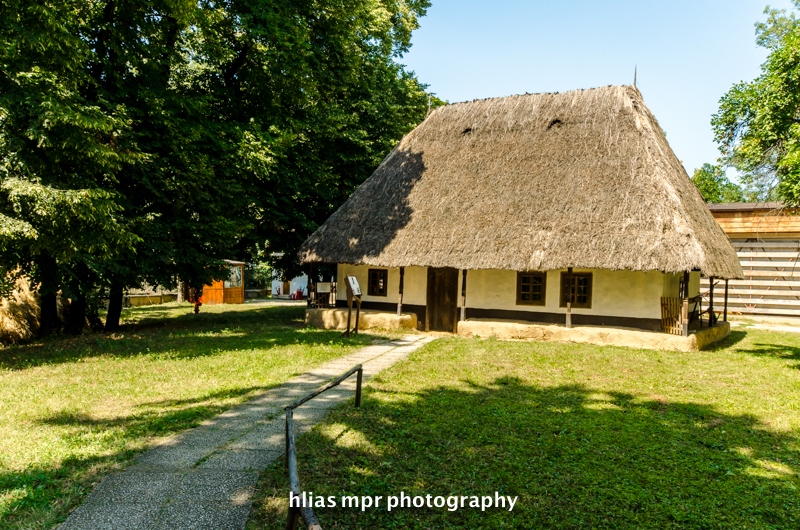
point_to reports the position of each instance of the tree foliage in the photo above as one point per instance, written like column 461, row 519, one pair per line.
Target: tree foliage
column 758, row 123
column 715, row 186
column 146, row 141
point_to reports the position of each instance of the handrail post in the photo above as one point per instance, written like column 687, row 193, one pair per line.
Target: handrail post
column 305, row 512
column 294, row 484
column 288, row 426
column 294, row 519
column 358, row 386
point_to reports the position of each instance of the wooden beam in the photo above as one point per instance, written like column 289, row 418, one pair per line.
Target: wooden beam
column 765, row 302
column 745, row 293
column 765, row 283
column 788, row 253
column 773, row 274
column 429, row 299
column 725, row 310
column 400, row 294
column 767, row 244
column 463, row 295
column 309, row 287
column 685, row 305
column 712, row 317
column 765, row 264
column 761, row 310
column 570, row 295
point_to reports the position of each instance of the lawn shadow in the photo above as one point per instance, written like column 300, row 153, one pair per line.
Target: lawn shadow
column 576, row 457
column 184, row 337
column 734, row 338
column 778, row 351
column 151, row 419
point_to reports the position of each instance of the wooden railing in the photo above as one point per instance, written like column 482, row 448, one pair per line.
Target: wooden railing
column 305, row 512
column 321, row 294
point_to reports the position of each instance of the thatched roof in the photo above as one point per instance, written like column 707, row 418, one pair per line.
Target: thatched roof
column 542, row 181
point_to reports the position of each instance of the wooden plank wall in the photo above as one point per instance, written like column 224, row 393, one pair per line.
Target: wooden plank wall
column 772, row 279
column 213, row 294
column 233, row 295
column 759, row 224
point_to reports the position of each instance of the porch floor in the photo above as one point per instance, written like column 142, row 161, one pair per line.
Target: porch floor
column 336, row 318
column 600, row 335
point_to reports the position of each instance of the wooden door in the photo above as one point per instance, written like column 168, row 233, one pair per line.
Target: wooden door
column 234, row 286
column 442, row 300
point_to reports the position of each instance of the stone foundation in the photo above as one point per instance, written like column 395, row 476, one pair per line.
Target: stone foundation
column 600, row 335
column 369, row 318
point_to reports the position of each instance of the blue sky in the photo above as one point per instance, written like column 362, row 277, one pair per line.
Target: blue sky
column 688, row 54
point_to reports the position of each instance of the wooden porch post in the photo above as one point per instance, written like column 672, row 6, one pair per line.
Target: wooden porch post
column 685, row 305
column 400, row 294
column 712, row 317
column 570, row 295
column 309, row 301
column 464, row 295
column 725, row 305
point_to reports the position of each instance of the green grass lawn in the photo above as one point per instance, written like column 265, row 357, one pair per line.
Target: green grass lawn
column 585, row 436
column 73, row 409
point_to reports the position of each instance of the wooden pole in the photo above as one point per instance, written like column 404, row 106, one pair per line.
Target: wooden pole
column 350, row 297
column 712, row 317
column 310, row 286
column 725, row 305
column 358, row 312
column 400, row 294
column 464, row 295
column 429, row 299
column 349, row 313
column 685, row 306
column 570, row 294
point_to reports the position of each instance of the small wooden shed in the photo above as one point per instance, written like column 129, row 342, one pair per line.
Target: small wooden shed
column 229, row 291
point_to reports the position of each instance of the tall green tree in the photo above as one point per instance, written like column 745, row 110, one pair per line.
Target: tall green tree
column 361, row 103
column 758, row 123
column 59, row 149
column 204, row 129
column 715, row 186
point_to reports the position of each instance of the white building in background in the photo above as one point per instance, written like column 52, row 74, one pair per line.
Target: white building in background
column 299, row 283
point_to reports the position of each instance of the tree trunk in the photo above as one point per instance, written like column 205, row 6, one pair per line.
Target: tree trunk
column 49, row 321
column 48, row 275
column 81, row 285
column 114, row 309
column 182, row 292
column 77, row 315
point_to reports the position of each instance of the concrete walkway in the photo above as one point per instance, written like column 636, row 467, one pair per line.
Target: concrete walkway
column 204, row 478
column 766, row 327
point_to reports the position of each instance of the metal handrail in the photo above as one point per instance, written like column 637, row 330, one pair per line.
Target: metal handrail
column 307, row 514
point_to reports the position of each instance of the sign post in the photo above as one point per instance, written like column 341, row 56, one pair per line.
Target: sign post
column 353, row 293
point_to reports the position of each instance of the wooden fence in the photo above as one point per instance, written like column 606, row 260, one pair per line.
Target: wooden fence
column 772, row 280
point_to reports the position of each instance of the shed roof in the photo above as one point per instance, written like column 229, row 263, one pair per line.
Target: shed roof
column 583, row 179
column 745, row 206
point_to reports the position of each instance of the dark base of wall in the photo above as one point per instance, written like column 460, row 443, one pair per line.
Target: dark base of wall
column 650, row 324
column 418, row 310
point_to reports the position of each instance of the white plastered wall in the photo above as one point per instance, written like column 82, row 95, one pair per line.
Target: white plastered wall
column 415, row 284
column 614, row 293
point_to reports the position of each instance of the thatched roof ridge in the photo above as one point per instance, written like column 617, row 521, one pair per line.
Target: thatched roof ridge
column 581, row 179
